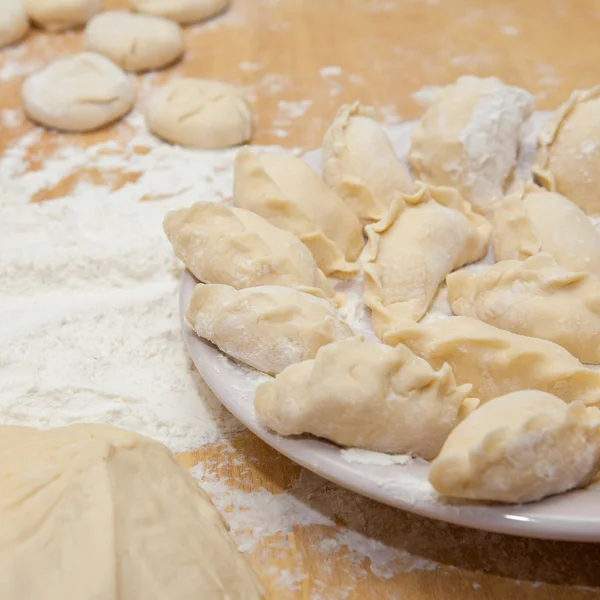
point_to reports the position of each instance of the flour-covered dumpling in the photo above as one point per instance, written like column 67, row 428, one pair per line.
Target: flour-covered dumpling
column 531, row 220
column 235, row 247
column 568, row 158
column 497, row 362
column 519, row 448
column 289, row 194
column 58, row 15
column 360, row 164
column 469, row 139
column 14, row 22
column 183, row 11
column 411, row 250
column 536, row 297
column 366, row 395
column 268, row 328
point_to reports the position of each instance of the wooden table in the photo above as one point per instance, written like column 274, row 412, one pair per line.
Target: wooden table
column 381, row 52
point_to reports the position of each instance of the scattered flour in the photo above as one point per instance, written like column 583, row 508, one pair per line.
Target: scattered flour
column 426, row 95
column 331, row 71
column 367, row 457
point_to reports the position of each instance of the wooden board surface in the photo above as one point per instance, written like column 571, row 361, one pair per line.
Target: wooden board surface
column 317, row 54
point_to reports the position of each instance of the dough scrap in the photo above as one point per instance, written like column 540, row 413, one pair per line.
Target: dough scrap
column 14, row 22
column 58, row 15
column 537, row 298
column 91, row 511
column 411, row 250
column 568, row 155
column 183, row 11
column 519, row 448
column 366, row 395
column 133, row 41
column 469, row 139
column 235, row 247
column 360, row 164
column 531, row 220
column 289, row 194
column 497, row 362
column 81, row 92
column 200, row 113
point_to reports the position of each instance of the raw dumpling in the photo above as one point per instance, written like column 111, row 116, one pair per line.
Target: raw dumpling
column 469, row 139
column 58, row 15
column 531, row 220
column 183, row 11
column 91, row 511
column 568, row 158
column 409, row 253
column 519, row 448
column 289, row 194
column 536, row 297
column 366, row 395
column 497, row 362
column 268, row 327
column 235, row 247
column 360, row 164
column 14, row 22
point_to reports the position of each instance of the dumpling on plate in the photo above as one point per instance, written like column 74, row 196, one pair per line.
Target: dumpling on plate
column 368, row 396
column 536, row 297
column 469, row 139
column 285, row 191
column 235, row 247
column 360, row 164
column 519, row 448
column 267, row 327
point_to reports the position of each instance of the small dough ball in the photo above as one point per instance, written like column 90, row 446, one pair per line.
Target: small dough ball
column 135, row 42
column 200, row 113
column 183, row 11
column 81, row 92
column 58, row 15
column 14, row 22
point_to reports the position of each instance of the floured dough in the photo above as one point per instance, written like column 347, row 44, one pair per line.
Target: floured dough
column 91, row 511
column 200, row 113
column 411, row 250
column 135, row 42
column 235, row 247
column 289, row 194
column 536, row 297
column 58, row 15
column 568, row 158
column 360, row 164
column 519, row 448
column 531, row 220
column 469, row 139
column 497, row 362
column 267, row 327
column 183, row 11
column 81, row 92
column 366, row 395
column 14, row 22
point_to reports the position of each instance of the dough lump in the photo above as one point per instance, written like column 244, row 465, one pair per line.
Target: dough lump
column 183, row 11
column 90, row 511
column 519, row 448
column 135, row 42
column 289, row 194
column 58, row 15
column 14, row 22
column 366, row 395
column 200, row 113
column 469, row 139
column 360, row 164
column 81, row 92
column 267, row 327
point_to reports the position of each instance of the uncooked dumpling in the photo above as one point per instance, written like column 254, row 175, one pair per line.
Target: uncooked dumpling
column 538, row 298
column 91, row 511
column 235, row 247
column 568, row 158
column 469, row 139
column 531, row 220
column 366, row 395
column 14, row 22
column 360, row 164
column 519, row 448
column 289, row 194
column 58, row 15
column 411, row 250
column 497, row 362
column 184, row 11
column 267, row 327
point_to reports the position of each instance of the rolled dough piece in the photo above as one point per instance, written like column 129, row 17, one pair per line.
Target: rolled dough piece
column 14, row 22
column 135, row 42
column 58, row 15
column 200, row 113
column 183, row 11
column 81, row 92
column 91, row 511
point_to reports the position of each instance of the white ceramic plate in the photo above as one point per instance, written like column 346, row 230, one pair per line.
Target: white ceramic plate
column 574, row 516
